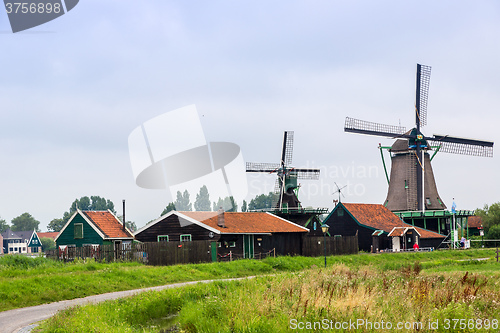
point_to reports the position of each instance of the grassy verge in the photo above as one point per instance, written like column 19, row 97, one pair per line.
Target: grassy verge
column 310, row 300
column 27, row 281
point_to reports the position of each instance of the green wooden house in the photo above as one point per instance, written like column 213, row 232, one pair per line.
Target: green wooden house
column 93, row 228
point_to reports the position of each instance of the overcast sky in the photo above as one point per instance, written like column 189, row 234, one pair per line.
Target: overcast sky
column 72, row 91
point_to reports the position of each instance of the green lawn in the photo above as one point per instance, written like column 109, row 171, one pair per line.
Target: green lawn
column 418, row 288
column 26, row 281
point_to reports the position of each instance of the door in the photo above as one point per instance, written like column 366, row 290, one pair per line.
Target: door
column 248, row 251
column 213, row 251
column 395, row 244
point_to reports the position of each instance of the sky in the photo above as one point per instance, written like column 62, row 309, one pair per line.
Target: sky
column 72, row 90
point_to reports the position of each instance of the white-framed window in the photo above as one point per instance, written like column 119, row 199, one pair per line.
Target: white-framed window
column 78, row 230
column 185, row 238
column 162, row 238
column 232, row 244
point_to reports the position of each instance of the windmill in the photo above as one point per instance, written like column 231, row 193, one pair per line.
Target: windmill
column 286, row 183
column 412, row 185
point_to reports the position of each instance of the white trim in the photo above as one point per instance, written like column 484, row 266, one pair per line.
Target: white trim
column 174, row 212
column 250, row 233
column 297, row 225
column 120, row 222
column 66, row 225
column 78, row 211
column 405, row 229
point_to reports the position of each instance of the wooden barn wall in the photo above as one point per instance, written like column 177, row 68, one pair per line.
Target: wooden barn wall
column 90, row 236
column 301, row 219
column 430, row 242
column 171, row 226
column 315, row 246
column 346, row 226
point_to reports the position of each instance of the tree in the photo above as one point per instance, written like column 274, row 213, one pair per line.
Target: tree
column 95, row 202
column 202, row 202
column 47, row 244
column 490, row 215
column 494, row 232
column 170, row 206
column 244, row 207
column 25, row 222
column 228, row 204
column 261, row 202
column 131, row 226
column 56, row 225
column 182, row 203
column 3, row 226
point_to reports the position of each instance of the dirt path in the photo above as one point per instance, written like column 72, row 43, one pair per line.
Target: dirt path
column 24, row 319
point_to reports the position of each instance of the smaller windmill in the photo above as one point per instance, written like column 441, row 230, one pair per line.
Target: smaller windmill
column 286, row 184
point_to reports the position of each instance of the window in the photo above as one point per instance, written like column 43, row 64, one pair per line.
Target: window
column 340, row 212
column 428, row 201
column 232, row 244
column 78, row 230
column 406, row 183
column 162, row 238
column 185, row 238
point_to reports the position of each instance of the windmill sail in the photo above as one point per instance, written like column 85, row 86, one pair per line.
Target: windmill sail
column 412, row 185
column 286, row 181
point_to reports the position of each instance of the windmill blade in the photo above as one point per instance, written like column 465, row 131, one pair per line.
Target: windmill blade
column 307, row 173
column 454, row 145
column 422, row 93
column 286, row 154
column 262, row 167
column 365, row 127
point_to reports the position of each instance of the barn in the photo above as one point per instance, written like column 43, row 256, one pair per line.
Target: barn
column 373, row 223
column 243, row 234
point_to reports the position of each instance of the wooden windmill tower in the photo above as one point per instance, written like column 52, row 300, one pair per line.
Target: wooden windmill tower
column 412, row 186
column 286, row 185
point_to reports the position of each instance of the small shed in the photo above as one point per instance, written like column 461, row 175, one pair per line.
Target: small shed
column 404, row 238
column 242, row 233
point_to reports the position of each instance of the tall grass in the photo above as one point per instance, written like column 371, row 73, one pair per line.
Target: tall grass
column 28, row 281
column 282, row 302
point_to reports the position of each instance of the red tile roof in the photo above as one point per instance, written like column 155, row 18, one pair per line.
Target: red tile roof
column 475, row 221
column 246, row 223
column 379, row 217
column 109, row 225
column 52, row 235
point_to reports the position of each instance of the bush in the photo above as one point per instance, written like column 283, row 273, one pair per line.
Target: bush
column 494, row 232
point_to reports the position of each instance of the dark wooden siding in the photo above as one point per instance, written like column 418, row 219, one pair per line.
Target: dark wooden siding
column 90, row 236
column 172, row 228
column 345, row 225
column 302, row 220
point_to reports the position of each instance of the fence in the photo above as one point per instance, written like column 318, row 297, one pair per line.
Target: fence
column 172, row 253
column 160, row 253
column 315, row 246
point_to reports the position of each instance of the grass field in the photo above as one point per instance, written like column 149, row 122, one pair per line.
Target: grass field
column 426, row 292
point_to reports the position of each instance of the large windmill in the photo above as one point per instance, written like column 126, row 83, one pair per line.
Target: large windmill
column 286, row 183
column 412, row 186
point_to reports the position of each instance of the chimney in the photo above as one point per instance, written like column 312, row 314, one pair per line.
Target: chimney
column 220, row 218
column 124, row 215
